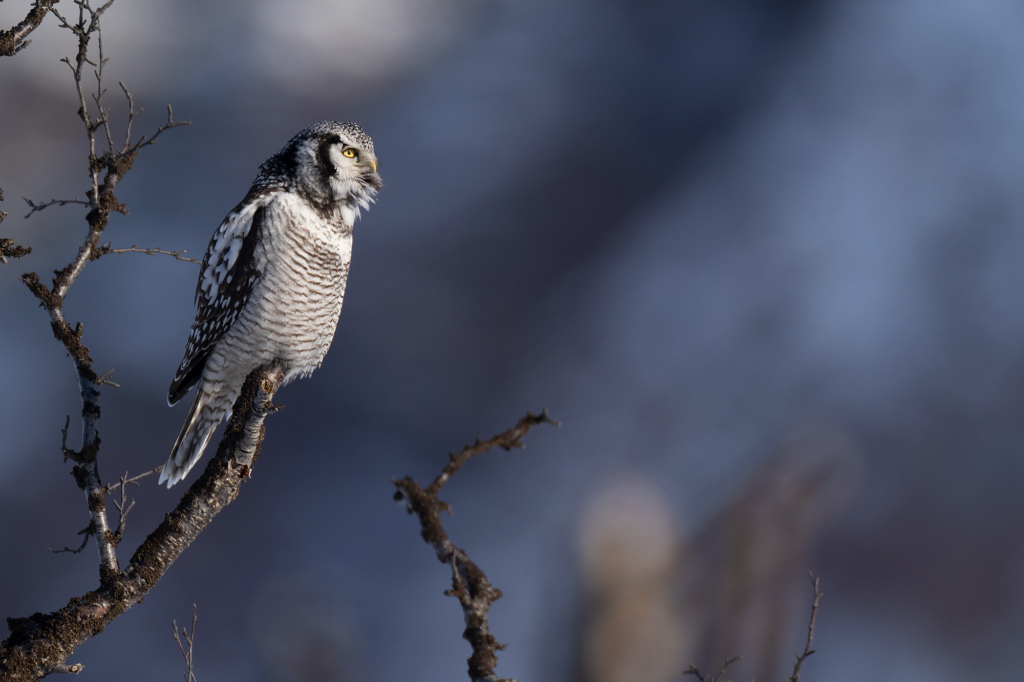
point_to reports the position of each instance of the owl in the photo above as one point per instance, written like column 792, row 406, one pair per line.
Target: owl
column 273, row 277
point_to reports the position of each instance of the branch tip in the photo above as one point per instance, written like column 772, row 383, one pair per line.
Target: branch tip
column 808, row 650
column 189, row 638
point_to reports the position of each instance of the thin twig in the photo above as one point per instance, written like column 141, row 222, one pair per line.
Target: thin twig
column 469, row 583
column 104, row 380
column 692, row 670
column 52, row 202
column 131, row 117
column 100, row 90
column 105, row 249
column 795, row 677
column 87, row 532
column 190, row 640
column 122, row 510
column 171, row 123
column 64, row 449
column 111, row 487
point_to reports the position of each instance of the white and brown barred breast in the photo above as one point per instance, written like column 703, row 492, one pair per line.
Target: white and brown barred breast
column 293, row 310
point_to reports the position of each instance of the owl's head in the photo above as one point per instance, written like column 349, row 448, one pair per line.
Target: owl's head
column 332, row 163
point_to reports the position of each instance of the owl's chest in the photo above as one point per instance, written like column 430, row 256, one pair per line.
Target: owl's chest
column 299, row 247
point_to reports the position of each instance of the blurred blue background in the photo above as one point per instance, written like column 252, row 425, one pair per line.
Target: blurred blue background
column 697, row 232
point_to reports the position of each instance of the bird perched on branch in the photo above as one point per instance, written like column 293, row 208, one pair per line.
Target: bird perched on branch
column 273, row 277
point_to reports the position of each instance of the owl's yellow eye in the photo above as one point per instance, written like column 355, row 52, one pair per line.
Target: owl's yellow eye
column 350, row 153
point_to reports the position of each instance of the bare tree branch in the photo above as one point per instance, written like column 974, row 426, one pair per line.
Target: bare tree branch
column 101, row 202
column 469, row 583
column 15, row 40
column 795, row 677
column 122, row 509
column 40, row 644
column 190, row 640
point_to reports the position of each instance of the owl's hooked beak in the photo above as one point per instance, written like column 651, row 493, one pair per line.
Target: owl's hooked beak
column 372, row 179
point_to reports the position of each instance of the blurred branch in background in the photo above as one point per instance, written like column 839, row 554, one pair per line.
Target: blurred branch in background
column 15, row 40
column 656, row 599
column 469, row 583
column 739, row 577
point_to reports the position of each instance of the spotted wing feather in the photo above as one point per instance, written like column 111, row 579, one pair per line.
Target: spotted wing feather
column 226, row 281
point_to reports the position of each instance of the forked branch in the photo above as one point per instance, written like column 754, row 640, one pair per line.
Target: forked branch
column 101, row 202
column 469, row 583
column 189, row 638
column 41, row 644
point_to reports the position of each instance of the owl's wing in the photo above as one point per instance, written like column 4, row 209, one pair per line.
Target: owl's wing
column 226, row 280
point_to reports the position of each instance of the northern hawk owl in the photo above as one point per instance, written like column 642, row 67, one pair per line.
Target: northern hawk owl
column 273, row 277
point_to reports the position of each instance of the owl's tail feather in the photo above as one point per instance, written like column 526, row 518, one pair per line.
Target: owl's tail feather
column 195, row 435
